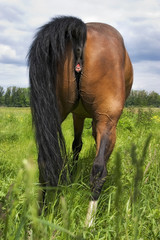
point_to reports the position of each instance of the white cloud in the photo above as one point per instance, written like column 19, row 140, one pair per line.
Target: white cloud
column 7, row 51
column 13, row 75
column 147, row 76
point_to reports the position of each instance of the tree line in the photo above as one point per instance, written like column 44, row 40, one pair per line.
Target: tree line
column 14, row 97
column 143, row 99
column 20, row 97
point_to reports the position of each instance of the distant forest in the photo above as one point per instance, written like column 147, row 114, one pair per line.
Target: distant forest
column 19, row 97
column 143, row 99
column 14, row 97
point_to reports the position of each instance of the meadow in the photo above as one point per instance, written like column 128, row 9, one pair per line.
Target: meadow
column 129, row 205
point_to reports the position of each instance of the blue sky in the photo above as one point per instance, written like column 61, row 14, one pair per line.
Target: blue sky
column 138, row 21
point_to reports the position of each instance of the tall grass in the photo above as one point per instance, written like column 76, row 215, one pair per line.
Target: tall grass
column 128, row 207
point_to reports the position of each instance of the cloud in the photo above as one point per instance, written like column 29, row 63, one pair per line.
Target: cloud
column 149, row 78
column 138, row 21
column 143, row 41
column 13, row 75
column 7, row 53
column 10, row 13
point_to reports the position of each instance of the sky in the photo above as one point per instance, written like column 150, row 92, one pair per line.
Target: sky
column 138, row 21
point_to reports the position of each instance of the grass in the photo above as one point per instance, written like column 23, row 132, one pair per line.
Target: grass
column 128, row 207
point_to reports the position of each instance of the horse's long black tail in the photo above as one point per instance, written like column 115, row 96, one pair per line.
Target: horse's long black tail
column 46, row 52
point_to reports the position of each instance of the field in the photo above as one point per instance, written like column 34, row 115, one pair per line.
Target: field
column 129, row 205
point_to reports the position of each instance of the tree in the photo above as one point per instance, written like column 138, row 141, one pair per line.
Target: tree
column 14, row 96
column 7, row 97
column 17, row 97
column 143, row 99
column 1, row 96
column 26, row 93
column 154, row 99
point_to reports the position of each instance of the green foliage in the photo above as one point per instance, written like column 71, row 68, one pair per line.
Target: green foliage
column 7, row 97
column 14, row 97
column 128, row 207
column 1, row 96
column 143, row 99
column 19, row 97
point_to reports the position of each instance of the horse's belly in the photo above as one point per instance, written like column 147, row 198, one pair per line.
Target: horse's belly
column 80, row 110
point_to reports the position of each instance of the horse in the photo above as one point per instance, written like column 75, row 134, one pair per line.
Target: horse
column 83, row 69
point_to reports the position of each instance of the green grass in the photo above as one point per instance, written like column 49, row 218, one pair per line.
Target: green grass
column 128, row 207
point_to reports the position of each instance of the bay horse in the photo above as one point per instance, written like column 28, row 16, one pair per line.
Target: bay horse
column 83, row 69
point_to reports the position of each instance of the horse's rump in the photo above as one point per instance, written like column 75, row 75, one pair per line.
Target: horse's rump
column 107, row 72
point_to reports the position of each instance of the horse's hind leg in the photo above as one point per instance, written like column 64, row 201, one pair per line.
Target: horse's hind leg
column 104, row 132
column 105, row 141
column 78, row 123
